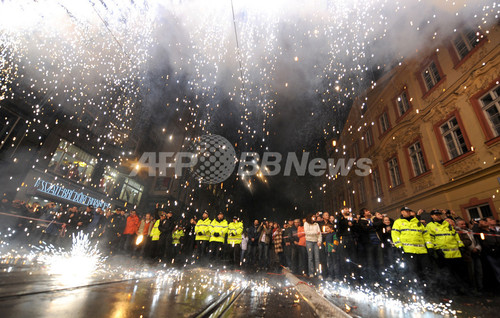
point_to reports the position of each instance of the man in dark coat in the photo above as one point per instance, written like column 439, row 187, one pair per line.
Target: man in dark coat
column 253, row 242
column 289, row 237
column 166, row 228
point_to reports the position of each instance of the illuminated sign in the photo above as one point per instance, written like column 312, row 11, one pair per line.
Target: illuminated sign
column 67, row 194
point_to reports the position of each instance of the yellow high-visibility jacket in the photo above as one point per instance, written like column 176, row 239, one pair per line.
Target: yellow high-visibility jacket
column 202, row 229
column 176, row 236
column 411, row 236
column 234, row 230
column 445, row 238
column 155, row 232
column 220, row 228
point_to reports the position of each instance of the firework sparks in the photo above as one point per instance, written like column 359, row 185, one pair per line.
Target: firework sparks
column 75, row 266
column 386, row 298
column 95, row 60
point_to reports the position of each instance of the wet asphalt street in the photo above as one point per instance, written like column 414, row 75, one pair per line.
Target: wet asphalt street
column 132, row 288
column 148, row 293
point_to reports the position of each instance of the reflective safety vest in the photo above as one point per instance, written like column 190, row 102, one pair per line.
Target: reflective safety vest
column 176, row 236
column 445, row 238
column 155, row 231
column 411, row 235
column 202, row 229
column 234, row 230
column 220, row 228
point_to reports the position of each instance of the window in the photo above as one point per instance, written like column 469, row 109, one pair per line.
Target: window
column 394, row 172
column 403, row 103
column 362, row 192
column 464, row 42
column 108, row 180
column 377, row 186
column 355, row 150
column 368, row 138
column 131, row 191
column 342, row 199
column 72, row 162
column 453, row 138
column 384, row 122
column 431, row 75
column 351, row 197
column 490, row 104
column 479, row 211
column 417, row 158
column 162, row 183
column 11, row 128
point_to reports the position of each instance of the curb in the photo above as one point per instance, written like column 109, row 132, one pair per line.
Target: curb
column 319, row 304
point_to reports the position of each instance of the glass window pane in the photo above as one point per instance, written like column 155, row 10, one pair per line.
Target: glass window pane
column 486, row 100
column 435, row 73
column 472, row 38
column 450, row 145
column 497, row 91
column 461, row 47
column 473, row 213
column 493, row 116
column 445, row 128
column 485, row 210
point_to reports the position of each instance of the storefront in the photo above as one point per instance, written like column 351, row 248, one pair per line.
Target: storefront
column 73, row 163
column 38, row 184
column 131, row 191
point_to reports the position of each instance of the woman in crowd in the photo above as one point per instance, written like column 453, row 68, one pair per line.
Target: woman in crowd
column 385, row 237
column 313, row 242
column 278, row 242
column 244, row 246
column 301, row 247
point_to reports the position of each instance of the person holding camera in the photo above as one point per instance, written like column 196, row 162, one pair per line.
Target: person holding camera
column 218, row 231
column 264, row 231
column 347, row 243
column 369, row 241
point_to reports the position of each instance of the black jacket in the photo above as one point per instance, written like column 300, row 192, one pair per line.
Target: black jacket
column 166, row 228
column 368, row 230
column 344, row 229
column 253, row 233
column 290, row 235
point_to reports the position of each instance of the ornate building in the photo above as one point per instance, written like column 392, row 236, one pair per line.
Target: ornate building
column 431, row 127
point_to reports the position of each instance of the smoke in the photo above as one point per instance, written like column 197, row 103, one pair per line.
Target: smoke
column 247, row 51
column 251, row 68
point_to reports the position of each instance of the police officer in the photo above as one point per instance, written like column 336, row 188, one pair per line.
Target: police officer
column 155, row 236
column 445, row 239
column 202, row 230
column 235, row 229
column 446, row 253
column 218, row 233
column 412, row 239
column 176, row 240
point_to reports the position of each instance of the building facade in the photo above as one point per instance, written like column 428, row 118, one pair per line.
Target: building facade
column 431, row 127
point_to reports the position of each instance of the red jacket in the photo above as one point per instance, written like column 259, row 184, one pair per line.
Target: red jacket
column 133, row 223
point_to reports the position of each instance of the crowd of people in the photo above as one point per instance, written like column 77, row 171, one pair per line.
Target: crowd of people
column 435, row 250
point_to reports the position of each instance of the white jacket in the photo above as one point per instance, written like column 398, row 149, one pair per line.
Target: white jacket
column 313, row 233
column 244, row 242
